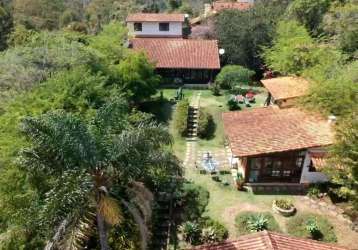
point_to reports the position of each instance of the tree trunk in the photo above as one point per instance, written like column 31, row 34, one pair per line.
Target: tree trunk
column 102, row 231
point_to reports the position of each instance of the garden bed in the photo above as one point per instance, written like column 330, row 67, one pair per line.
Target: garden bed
column 248, row 222
column 299, row 226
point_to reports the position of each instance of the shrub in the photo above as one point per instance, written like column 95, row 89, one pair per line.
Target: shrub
column 284, row 203
column 191, row 232
column 313, row 229
column 195, row 199
column 181, row 117
column 247, row 221
column 304, row 224
column 313, row 192
column 204, row 230
column 213, row 231
column 233, row 75
column 215, row 89
column 206, row 125
column 233, row 104
column 257, row 223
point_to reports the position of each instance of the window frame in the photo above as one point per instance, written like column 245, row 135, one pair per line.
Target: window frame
column 137, row 26
column 167, row 26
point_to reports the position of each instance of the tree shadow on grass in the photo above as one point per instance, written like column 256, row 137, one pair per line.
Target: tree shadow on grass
column 162, row 109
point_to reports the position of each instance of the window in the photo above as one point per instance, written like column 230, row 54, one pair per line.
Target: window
column 163, row 26
column 255, row 163
column 137, row 26
column 287, row 172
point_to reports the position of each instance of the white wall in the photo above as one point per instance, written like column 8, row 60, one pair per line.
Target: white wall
column 151, row 29
column 311, row 177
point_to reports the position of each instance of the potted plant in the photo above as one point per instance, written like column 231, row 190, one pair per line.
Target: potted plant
column 284, row 207
column 239, row 180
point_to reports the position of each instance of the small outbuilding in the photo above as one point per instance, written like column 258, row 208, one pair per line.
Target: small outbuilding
column 284, row 91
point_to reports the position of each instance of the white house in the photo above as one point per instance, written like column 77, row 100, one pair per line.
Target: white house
column 273, row 145
column 155, row 25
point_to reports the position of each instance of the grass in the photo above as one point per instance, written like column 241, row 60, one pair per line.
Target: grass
column 222, row 196
column 243, row 218
column 297, row 227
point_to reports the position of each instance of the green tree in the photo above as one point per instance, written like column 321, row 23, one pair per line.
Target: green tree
column 338, row 94
column 88, row 162
column 309, row 13
column 136, row 77
column 109, row 43
column 38, row 14
column 243, row 33
column 343, row 168
column 6, row 25
column 232, row 76
column 42, row 54
column 294, row 51
column 341, row 24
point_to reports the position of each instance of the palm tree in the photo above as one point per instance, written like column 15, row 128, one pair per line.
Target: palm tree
column 85, row 161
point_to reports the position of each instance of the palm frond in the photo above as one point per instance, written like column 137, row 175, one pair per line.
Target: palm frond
column 59, row 139
column 108, row 207
column 79, row 232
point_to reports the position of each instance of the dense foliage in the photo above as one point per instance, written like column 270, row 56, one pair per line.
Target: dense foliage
column 69, row 94
column 243, row 33
column 232, row 76
column 181, row 117
column 331, row 66
column 206, row 124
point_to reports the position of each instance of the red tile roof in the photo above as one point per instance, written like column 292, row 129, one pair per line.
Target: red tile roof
column 155, row 17
column 268, row 130
column 269, row 241
column 222, row 5
column 180, row 53
column 286, row 87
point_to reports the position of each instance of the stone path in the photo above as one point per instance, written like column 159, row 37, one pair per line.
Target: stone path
column 191, row 144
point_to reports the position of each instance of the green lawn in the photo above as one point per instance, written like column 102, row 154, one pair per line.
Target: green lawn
column 215, row 105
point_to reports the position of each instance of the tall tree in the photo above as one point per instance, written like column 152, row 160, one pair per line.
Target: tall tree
column 38, row 14
column 6, row 24
column 136, row 77
column 294, row 51
column 243, row 33
column 341, row 23
column 93, row 160
column 309, row 13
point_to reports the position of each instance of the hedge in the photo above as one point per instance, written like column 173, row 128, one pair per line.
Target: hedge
column 181, row 117
column 206, row 125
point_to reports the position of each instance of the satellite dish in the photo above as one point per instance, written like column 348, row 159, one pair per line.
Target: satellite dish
column 221, row 51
